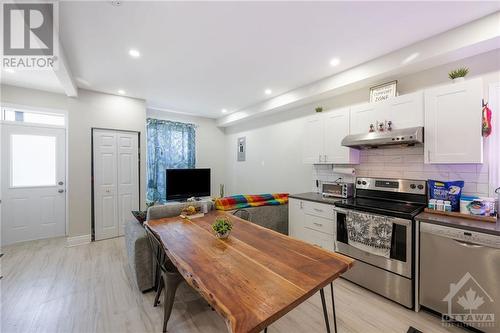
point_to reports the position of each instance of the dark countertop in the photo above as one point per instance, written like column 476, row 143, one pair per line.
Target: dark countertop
column 461, row 223
column 313, row 196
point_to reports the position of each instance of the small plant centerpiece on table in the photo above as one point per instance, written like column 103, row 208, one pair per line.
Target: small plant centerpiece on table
column 458, row 74
column 222, row 227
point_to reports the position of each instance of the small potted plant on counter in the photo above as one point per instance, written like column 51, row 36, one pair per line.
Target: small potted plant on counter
column 222, row 227
column 458, row 75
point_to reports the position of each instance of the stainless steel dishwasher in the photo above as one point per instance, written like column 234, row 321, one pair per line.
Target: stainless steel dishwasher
column 460, row 275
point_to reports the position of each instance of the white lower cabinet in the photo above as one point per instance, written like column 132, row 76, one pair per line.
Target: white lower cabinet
column 312, row 222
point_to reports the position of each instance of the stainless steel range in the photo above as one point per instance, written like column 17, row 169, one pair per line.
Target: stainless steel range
column 377, row 228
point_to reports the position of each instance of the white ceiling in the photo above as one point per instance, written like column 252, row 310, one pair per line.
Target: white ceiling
column 201, row 57
column 44, row 80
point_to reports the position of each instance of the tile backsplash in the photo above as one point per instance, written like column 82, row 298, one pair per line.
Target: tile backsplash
column 408, row 163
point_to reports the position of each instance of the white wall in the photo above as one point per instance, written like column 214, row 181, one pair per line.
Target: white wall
column 90, row 109
column 97, row 110
column 210, row 144
column 274, row 150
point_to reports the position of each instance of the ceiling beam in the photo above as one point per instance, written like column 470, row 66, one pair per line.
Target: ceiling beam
column 63, row 73
column 473, row 38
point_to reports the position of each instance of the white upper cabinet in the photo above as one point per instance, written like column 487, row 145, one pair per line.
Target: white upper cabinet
column 362, row 116
column 405, row 111
column 337, row 124
column 402, row 111
column 322, row 139
column 453, row 122
column 313, row 141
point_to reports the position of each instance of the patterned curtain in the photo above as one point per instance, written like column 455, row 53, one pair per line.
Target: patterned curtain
column 170, row 145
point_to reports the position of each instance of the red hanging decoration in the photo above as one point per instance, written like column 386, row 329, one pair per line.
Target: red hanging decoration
column 486, row 120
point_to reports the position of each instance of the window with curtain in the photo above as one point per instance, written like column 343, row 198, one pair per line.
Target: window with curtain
column 170, row 145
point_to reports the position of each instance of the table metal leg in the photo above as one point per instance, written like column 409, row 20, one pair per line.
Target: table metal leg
column 265, row 330
column 325, row 311
column 333, row 308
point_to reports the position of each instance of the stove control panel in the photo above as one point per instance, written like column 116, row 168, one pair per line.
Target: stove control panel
column 393, row 185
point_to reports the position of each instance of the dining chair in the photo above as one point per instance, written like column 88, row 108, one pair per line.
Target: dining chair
column 170, row 278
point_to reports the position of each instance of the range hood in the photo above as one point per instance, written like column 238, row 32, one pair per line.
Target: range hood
column 398, row 137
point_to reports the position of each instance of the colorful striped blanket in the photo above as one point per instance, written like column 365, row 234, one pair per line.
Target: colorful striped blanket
column 257, row 200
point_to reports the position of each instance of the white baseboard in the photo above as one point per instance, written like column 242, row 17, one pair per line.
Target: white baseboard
column 78, row 240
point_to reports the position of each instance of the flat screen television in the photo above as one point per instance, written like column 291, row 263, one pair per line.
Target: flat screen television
column 186, row 183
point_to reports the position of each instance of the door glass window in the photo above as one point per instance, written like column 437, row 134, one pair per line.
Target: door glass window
column 33, row 160
column 33, row 117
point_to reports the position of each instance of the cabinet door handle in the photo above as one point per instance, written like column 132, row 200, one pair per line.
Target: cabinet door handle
column 301, row 205
column 428, row 155
column 318, row 224
column 318, row 210
column 326, row 158
column 319, row 157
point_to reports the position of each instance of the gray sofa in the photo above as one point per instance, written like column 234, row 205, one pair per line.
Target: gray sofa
column 271, row 217
column 140, row 258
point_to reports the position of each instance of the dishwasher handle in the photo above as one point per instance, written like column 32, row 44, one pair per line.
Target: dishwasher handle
column 468, row 244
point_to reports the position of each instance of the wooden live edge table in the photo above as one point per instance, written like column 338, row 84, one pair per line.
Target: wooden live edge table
column 252, row 278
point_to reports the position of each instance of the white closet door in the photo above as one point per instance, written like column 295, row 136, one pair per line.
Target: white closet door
column 128, row 177
column 116, row 181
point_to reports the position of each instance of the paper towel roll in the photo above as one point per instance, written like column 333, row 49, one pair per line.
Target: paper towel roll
column 344, row 171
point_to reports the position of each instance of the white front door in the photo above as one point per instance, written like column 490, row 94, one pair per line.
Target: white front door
column 116, row 181
column 33, row 183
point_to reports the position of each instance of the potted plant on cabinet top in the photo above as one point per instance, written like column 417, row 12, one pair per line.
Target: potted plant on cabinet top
column 458, row 75
column 222, row 227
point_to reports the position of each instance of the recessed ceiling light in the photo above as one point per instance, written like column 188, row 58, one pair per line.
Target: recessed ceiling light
column 121, row 92
column 116, row 3
column 134, row 53
column 224, row 110
column 268, row 91
column 334, row 62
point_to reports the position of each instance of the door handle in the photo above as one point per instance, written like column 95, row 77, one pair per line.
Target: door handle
column 60, row 191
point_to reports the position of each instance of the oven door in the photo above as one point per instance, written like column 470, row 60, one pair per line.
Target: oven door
column 400, row 261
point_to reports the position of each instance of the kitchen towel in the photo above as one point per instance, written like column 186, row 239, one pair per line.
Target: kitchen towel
column 370, row 233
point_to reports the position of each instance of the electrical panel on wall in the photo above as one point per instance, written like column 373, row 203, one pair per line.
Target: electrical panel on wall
column 242, row 149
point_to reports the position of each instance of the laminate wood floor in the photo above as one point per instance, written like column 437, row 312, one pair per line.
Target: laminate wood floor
column 48, row 287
